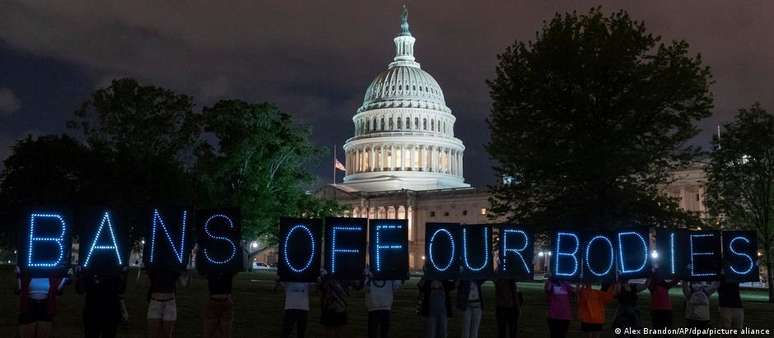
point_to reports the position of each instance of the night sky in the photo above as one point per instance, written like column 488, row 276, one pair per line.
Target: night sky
column 315, row 59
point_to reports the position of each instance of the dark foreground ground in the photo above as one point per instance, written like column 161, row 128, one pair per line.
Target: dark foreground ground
column 258, row 310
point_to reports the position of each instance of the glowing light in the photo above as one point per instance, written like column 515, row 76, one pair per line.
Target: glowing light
column 672, row 252
column 230, row 224
column 59, row 240
column 621, row 250
column 465, row 250
column 694, row 254
column 612, row 256
column 335, row 250
column 540, row 254
column 654, row 254
column 157, row 220
column 559, row 253
column 731, row 247
column 381, row 247
column 451, row 255
column 309, row 261
column 113, row 247
column 518, row 251
column 254, row 245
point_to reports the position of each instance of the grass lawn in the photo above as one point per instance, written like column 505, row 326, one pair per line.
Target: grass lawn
column 258, row 310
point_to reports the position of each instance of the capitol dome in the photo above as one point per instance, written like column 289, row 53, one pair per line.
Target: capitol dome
column 404, row 132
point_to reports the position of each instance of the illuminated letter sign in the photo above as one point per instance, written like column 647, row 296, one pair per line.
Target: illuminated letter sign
column 219, row 235
column 442, row 258
column 299, row 250
column 389, row 257
column 477, row 261
column 345, row 240
column 566, row 250
column 598, row 257
column 740, row 256
column 102, row 249
column 169, row 255
column 704, row 255
column 633, row 253
column 47, row 243
column 515, row 254
column 670, row 247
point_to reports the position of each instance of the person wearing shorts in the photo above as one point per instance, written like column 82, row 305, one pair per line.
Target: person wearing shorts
column 162, row 309
column 730, row 306
column 219, row 311
column 37, row 303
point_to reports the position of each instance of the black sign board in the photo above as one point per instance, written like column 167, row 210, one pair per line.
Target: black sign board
column 168, row 239
column 477, row 254
column 345, row 247
column 104, row 246
column 633, row 253
column 388, row 256
column 740, row 256
column 703, row 255
column 442, row 250
column 45, row 242
column 599, row 256
column 515, row 253
column 566, row 259
column 299, row 249
column 218, row 233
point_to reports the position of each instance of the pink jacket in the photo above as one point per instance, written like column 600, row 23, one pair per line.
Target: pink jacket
column 559, row 299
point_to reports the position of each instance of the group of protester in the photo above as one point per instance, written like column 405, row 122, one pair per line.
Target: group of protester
column 104, row 308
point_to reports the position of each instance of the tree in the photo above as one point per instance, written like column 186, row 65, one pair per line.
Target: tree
column 149, row 134
column 50, row 170
column 259, row 164
column 740, row 187
column 590, row 119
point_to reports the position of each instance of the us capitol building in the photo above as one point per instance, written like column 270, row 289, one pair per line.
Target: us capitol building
column 404, row 161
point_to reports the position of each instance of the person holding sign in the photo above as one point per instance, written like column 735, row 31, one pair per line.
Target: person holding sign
column 730, row 305
column 378, row 299
column 660, row 302
column 102, row 310
column 162, row 308
column 435, row 306
column 509, row 302
column 559, row 310
column 219, row 311
column 296, row 308
column 591, row 307
column 37, row 303
column 697, row 295
column 628, row 313
column 333, row 302
column 470, row 301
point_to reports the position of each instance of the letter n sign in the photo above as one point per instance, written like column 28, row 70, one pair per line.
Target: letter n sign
column 345, row 247
column 388, row 254
column 45, row 242
column 167, row 239
column 218, row 233
column 103, row 240
column 515, row 253
column 299, row 249
column 442, row 250
column 740, row 256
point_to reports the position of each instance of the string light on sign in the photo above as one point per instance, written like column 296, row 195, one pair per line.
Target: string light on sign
column 465, row 250
column 515, row 251
column 112, row 247
column 694, row 254
column 158, row 221
column 749, row 259
column 335, row 249
column 380, row 247
column 59, row 240
column 451, row 254
column 609, row 267
column 305, row 230
column 621, row 250
column 572, row 254
column 230, row 224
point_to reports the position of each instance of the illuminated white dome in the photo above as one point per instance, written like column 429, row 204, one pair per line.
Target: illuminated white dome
column 404, row 132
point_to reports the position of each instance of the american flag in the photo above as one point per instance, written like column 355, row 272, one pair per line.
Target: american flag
column 338, row 165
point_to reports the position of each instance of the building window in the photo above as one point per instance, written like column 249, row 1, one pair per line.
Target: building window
column 464, row 212
column 483, row 211
column 446, row 213
column 432, row 214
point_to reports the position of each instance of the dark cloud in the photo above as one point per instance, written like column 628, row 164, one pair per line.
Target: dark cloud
column 315, row 58
column 9, row 103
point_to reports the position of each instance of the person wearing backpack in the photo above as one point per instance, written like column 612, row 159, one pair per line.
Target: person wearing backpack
column 697, row 301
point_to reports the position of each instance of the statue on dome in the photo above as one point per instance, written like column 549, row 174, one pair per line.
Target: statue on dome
column 404, row 26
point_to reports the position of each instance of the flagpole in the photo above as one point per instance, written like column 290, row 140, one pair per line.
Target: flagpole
column 334, row 164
